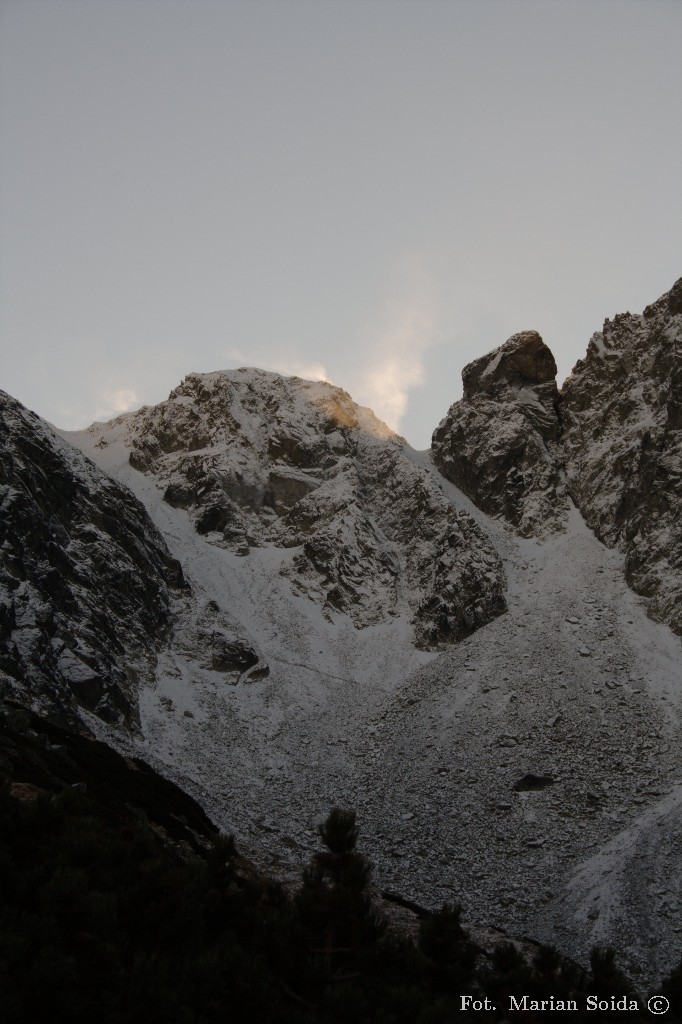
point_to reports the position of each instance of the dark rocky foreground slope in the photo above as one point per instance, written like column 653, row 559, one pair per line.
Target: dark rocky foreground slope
column 121, row 903
column 611, row 440
column 38, row 759
column 85, row 578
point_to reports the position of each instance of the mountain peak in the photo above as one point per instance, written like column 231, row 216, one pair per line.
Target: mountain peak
column 261, row 461
column 523, row 361
column 283, row 395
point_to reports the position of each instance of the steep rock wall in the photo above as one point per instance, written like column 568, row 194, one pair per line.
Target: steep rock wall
column 85, row 578
column 500, row 443
column 621, row 413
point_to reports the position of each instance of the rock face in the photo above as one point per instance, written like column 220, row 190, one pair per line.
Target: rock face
column 611, row 440
column 258, row 460
column 85, row 578
column 500, row 443
column 621, row 412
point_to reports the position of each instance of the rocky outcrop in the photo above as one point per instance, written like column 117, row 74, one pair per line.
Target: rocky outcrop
column 500, row 443
column 85, row 578
column 611, row 440
column 621, row 412
column 258, row 460
column 211, row 637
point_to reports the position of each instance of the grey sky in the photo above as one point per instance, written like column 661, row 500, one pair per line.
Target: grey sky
column 376, row 191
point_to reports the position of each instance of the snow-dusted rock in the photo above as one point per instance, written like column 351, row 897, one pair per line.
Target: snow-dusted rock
column 621, row 412
column 85, row 578
column 611, row 440
column 507, row 773
column 260, row 460
column 499, row 444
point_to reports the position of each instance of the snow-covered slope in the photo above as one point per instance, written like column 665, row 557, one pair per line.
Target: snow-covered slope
column 498, row 773
column 575, row 684
column 535, row 757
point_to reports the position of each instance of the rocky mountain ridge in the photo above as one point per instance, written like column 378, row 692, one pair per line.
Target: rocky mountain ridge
column 347, row 627
column 610, row 441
